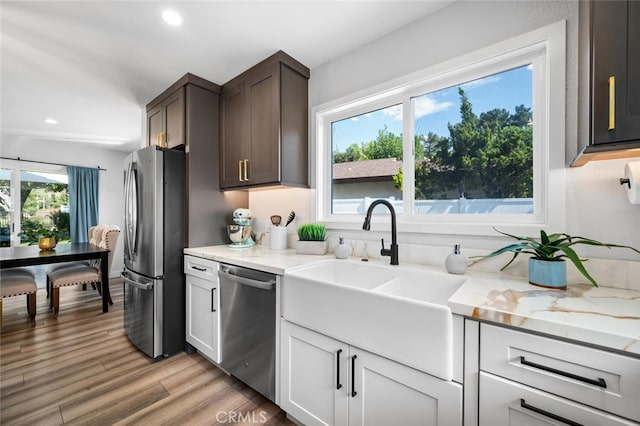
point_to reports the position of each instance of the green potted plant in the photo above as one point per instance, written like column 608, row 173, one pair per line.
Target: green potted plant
column 34, row 231
column 547, row 266
column 312, row 239
column 47, row 239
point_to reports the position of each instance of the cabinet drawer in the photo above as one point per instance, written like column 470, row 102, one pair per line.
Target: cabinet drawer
column 603, row 380
column 202, row 268
column 503, row 402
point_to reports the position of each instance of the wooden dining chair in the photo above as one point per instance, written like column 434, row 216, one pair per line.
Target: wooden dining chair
column 95, row 234
column 17, row 282
column 82, row 273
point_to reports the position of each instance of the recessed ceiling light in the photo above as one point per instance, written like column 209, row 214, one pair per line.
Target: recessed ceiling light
column 51, row 121
column 172, row 17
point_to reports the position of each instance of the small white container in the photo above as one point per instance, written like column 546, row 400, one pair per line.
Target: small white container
column 456, row 263
column 278, row 238
column 341, row 250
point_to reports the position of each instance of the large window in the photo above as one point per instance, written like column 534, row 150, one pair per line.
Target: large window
column 471, row 143
column 33, row 201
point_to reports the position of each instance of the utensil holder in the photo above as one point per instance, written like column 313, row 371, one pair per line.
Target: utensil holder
column 278, row 238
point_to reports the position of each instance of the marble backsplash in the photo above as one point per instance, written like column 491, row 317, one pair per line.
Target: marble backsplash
column 621, row 274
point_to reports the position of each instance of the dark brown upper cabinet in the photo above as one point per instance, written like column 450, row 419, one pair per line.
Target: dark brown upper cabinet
column 264, row 125
column 189, row 112
column 165, row 121
column 614, row 84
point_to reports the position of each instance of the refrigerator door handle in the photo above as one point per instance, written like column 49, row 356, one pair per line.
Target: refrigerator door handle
column 127, row 219
column 131, row 209
column 141, row 286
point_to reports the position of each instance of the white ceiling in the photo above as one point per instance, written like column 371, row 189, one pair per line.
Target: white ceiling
column 93, row 65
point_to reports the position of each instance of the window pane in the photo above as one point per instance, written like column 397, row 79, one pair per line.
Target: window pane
column 5, row 207
column 366, row 158
column 45, row 205
column 474, row 146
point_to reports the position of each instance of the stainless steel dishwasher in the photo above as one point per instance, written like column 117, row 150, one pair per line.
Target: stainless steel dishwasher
column 248, row 327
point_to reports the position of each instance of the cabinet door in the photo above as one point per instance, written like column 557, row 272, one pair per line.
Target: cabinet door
column 174, row 119
column 615, row 53
column 384, row 392
column 234, row 139
column 314, row 376
column 202, row 322
column 264, row 109
column 503, row 402
column 155, row 125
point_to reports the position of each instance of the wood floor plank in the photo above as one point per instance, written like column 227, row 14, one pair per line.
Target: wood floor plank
column 217, row 394
column 43, row 417
column 189, row 377
column 119, row 408
column 81, row 369
column 46, row 384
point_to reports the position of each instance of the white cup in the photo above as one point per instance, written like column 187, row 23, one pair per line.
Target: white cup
column 278, row 238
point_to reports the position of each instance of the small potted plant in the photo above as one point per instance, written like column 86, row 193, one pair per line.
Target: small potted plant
column 547, row 266
column 312, row 239
column 47, row 240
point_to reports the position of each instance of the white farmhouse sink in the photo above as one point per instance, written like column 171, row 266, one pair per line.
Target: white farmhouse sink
column 395, row 311
column 347, row 273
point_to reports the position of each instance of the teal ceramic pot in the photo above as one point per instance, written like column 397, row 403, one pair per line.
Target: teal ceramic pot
column 548, row 273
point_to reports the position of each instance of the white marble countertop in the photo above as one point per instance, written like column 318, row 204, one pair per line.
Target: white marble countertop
column 256, row 257
column 603, row 316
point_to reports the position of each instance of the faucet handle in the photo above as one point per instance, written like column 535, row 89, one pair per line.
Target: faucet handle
column 384, row 251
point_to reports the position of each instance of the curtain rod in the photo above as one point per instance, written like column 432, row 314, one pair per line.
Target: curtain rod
column 46, row 162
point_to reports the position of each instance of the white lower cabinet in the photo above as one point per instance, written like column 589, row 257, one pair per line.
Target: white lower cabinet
column 528, row 379
column 202, row 307
column 328, row 382
column 503, row 402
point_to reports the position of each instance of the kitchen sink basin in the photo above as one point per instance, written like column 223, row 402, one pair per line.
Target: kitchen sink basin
column 349, row 274
column 397, row 312
column 422, row 286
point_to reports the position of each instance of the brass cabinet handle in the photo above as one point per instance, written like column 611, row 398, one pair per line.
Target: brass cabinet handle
column 612, row 102
column 240, row 171
column 161, row 139
column 246, row 172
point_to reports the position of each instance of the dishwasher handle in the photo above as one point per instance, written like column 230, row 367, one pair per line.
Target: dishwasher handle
column 262, row 285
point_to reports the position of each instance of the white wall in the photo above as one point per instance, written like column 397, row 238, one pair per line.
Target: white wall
column 111, row 181
column 596, row 204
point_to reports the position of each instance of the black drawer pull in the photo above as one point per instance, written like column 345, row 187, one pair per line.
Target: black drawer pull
column 339, row 385
column 198, row 268
column 545, row 413
column 599, row 382
column 353, row 376
column 212, row 299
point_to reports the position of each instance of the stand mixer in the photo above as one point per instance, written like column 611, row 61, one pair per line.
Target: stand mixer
column 240, row 233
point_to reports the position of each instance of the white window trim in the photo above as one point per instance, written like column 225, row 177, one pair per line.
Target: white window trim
column 546, row 46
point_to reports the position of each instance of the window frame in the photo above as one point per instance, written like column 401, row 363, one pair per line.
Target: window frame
column 545, row 49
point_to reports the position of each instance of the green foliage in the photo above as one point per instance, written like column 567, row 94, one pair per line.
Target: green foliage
column 490, row 155
column 33, row 229
column 552, row 247
column 312, row 232
column 32, row 193
column 386, row 145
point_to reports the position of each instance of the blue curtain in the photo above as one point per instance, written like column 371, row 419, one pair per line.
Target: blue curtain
column 83, row 201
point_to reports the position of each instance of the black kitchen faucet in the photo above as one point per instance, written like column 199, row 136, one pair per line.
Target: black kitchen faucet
column 393, row 251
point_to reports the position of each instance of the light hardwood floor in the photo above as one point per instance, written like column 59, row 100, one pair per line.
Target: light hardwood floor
column 82, row 369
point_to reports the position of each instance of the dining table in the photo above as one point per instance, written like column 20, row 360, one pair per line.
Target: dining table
column 24, row 256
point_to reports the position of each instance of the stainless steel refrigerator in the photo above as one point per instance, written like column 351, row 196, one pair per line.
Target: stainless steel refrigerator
column 154, row 238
